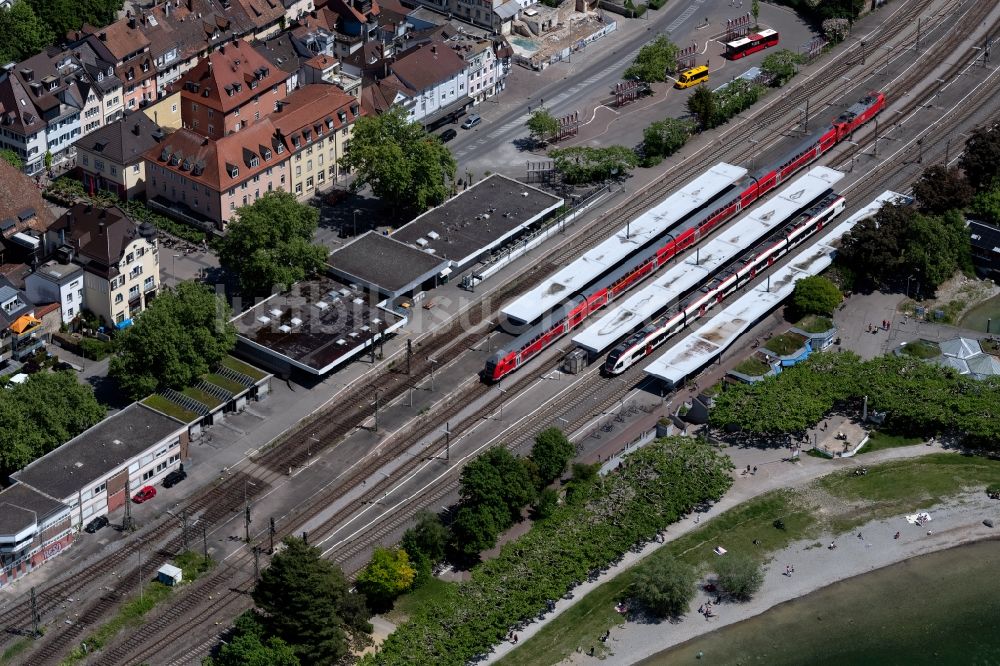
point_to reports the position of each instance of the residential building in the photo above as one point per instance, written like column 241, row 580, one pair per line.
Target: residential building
column 100, row 89
column 357, row 23
column 99, row 470
column 166, row 111
column 60, row 283
column 495, row 16
column 20, row 331
column 24, row 217
column 327, row 69
column 230, row 89
column 267, row 16
column 34, row 528
column 22, row 129
column 429, row 81
column 119, row 258
column 203, row 181
column 127, row 48
column 110, row 158
column 315, row 123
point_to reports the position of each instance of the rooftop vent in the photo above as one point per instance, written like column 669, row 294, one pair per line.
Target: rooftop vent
column 264, row 320
column 275, row 312
column 284, row 328
column 295, row 321
column 322, row 305
column 433, row 235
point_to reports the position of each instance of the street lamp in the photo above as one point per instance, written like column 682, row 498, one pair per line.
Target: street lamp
column 356, row 211
column 246, row 509
column 173, row 270
column 908, row 278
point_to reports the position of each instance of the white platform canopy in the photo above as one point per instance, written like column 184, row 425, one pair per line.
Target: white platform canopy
column 641, row 307
column 641, row 231
column 702, row 346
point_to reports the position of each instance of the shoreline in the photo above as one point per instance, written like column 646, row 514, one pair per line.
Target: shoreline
column 956, row 522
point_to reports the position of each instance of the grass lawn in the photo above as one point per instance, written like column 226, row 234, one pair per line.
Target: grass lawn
column 921, row 349
column 785, row 344
column 240, row 366
column 158, row 402
column 879, row 440
column 223, row 382
column 14, row 650
column 752, row 367
column 888, row 489
column 434, row 592
column 814, row 324
column 203, row 397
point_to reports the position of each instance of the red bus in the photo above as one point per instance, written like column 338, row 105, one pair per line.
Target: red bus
column 751, row 44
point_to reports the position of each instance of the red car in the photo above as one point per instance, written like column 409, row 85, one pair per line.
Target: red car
column 147, row 493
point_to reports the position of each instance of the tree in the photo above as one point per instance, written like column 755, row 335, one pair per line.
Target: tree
column 542, row 124
column 986, row 205
column 583, row 476
column 48, row 159
column 11, row 158
column 402, row 163
column 270, row 244
column 429, row 536
column 499, row 481
column 551, row 452
column 584, row 164
column 665, row 137
column 941, row 189
column 755, row 10
column 665, row 586
column 387, row 575
column 740, row 575
column 249, row 646
column 702, row 105
column 475, row 529
column 24, row 33
column 307, row 603
column 180, row 336
column 816, row 295
column 782, row 65
column 41, row 414
column 546, row 504
column 653, row 62
column 981, row 159
column 65, row 16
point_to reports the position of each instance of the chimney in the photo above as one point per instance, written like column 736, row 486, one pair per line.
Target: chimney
column 166, row 9
column 131, row 22
column 434, row 49
column 135, row 130
column 100, row 229
column 103, row 36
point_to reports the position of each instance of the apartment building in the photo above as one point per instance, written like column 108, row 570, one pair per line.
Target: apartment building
column 429, row 81
column 57, row 282
column 120, row 260
column 203, row 181
column 229, row 90
column 110, row 158
column 315, row 123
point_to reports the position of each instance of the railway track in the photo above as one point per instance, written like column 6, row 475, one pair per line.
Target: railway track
column 226, row 498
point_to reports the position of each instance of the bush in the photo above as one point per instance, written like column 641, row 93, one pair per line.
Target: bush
column 656, row 4
column 546, row 504
column 139, row 212
column 740, row 575
column 94, row 349
column 665, row 587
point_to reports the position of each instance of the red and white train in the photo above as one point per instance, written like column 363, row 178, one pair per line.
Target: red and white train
column 577, row 307
column 642, row 343
column 740, row 48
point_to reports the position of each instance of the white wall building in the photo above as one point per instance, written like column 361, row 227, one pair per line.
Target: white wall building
column 54, row 282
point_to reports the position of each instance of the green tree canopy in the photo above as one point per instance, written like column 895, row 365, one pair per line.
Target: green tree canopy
column 585, row 164
column 542, row 124
column 249, row 646
column 475, row 529
column 386, row 576
column 270, row 244
column 551, row 452
column 665, row 586
column 653, row 62
column 25, row 34
column 941, row 189
column 665, row 137
column 429, row 536
column 740, row 575
column 981, row 159
column 816, row 295
column 403, row 164
column 498, row 480
column 986, row 205
column 180, row 336
column 10, row 157
column 782, row 65
column 64, row 16
column 307, row 603
column 41, row 414
column 702, row 104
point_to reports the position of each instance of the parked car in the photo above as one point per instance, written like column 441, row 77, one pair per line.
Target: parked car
column 175, row 477
column 145, row 494
column 96, row 524
column 448, row 135
column 473, row 120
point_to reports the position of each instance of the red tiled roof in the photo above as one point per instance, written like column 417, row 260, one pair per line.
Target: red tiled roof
column 119, row 38
column 42, row 310
column 229, row 77
column 18, row 193
column 313, row 110
column 212, row 162
column 263, row 12
column 427, row 66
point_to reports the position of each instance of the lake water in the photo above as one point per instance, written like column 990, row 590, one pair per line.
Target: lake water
column 976, row 318
column 942, row 608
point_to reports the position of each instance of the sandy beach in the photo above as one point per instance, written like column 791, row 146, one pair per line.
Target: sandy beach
column 956, row 522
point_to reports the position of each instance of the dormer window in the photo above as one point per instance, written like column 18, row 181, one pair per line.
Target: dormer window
column 342, row 115
column 145, row 66
column 254, row 162
column 131, row 73
column 267, row 154
column 253, row 84
column 232, row 170
column 280, row 148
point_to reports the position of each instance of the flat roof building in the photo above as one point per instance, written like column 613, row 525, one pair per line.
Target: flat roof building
column 33, row 529
column 315, row 327
column 386, row 265
column 482, row 218
column 95, row 471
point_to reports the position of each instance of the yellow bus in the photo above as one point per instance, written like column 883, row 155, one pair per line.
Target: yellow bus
column 692, row 77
